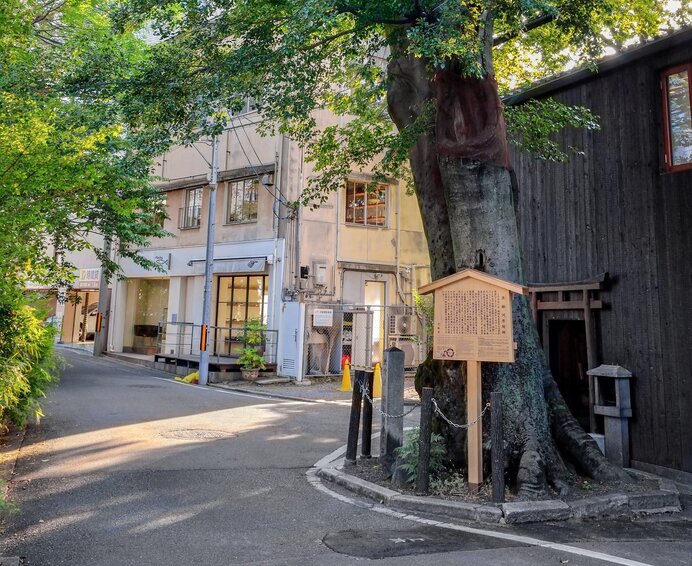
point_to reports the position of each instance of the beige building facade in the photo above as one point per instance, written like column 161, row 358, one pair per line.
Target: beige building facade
column 272, row 261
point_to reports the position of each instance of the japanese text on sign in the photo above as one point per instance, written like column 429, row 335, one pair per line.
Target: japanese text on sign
column 473, row 321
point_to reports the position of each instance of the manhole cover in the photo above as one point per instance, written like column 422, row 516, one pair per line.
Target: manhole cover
column 145, row 386
column 379, row 544
column 197, row 434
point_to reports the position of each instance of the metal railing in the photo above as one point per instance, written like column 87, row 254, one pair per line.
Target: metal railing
column 189, row 217
column 183, row 338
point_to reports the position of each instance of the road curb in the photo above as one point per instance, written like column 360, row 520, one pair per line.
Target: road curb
column 665, row 500
column 9, row 455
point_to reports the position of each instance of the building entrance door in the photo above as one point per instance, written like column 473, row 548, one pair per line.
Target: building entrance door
column 568, row 364
column 241, row 298
column 375, row 296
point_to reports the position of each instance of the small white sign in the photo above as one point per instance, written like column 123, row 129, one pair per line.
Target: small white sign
column 89, row 277
column 323, row 317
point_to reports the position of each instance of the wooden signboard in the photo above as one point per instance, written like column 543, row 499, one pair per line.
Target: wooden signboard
column 473, row 323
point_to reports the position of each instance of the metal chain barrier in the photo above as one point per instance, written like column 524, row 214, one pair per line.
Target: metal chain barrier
column 366, row 394
column 455, row 425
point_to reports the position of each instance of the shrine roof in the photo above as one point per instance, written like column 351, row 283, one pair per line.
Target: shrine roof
column 469, row 273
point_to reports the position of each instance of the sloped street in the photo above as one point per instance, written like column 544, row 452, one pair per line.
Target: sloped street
column 131, row 468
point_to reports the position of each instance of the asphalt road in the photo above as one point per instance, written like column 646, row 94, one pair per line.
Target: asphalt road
column 128, row 468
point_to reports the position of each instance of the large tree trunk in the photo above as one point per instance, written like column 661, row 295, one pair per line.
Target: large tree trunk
column 465, row 189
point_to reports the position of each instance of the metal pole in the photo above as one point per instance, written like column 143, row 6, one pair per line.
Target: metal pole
column 102, row 316
column 208, row 263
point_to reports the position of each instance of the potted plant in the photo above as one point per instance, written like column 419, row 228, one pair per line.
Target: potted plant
column 251, row 360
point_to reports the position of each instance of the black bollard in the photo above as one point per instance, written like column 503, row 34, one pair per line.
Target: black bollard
column 354, row 422
column 497, row 450
column 365, row 445
column 423, row 476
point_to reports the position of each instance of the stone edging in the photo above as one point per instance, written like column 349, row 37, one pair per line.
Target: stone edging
column 665, row 500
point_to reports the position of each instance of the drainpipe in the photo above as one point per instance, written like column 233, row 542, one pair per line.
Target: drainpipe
column 398, row 245
column 299, row 218
column 336, row 249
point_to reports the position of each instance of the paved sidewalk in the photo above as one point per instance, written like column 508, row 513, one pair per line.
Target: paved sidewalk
column 316, row 389
column 310, row 389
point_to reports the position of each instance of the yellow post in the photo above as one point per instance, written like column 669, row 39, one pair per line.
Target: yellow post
column 377, row 382
column 346, row 380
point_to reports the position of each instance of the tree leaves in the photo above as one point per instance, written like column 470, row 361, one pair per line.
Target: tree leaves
column 296, row 58
column 530, row 125
column 70, row 173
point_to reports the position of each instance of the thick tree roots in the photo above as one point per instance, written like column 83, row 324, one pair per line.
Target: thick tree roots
column 533, row 462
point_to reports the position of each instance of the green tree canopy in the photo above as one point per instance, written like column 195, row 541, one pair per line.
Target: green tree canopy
column 295, row 56
column 69, row 168
column 418, row 83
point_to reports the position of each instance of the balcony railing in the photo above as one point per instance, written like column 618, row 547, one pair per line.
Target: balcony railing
column 189, row 217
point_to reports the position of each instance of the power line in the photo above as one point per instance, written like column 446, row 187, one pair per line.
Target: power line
column 259, row 178
column 255, row 152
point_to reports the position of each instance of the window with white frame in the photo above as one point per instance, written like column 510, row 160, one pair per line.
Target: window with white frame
column 190, row 214
column 366, row 206
column 241, row 200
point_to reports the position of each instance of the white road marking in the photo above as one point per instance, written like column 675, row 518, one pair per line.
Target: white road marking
column 316, row 482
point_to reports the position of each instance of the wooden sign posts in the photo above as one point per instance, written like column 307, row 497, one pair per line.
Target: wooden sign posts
column 473, row 323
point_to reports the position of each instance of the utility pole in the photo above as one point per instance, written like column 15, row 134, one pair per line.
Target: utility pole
column 208, row 264
column 103, row 306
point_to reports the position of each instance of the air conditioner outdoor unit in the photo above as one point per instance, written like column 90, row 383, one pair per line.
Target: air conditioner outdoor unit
column 402, row 325
column 413, row 350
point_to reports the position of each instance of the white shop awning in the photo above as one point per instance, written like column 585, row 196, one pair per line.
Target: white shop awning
column 232, row 265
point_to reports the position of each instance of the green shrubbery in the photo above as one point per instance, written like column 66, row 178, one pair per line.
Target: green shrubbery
column 408, row 454
column 27, row 364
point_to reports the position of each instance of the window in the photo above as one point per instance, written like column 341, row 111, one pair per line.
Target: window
column 248, row 105
column 241, row 200
column 189, row 214
column 363, row 207
column 677, row 117
column 241, row 298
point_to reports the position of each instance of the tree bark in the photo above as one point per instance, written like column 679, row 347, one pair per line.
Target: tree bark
column 466, row 193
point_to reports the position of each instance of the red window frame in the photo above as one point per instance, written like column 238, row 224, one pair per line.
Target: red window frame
column 668, row 143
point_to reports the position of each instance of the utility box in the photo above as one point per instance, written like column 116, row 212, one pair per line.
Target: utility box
column 613, row 402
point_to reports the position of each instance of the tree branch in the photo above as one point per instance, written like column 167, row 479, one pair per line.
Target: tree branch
column 533, row 24
column 50, row 8
column 355, row 11
column 16, row 160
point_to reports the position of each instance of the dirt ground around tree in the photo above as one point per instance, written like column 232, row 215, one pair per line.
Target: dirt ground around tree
column 452, row 485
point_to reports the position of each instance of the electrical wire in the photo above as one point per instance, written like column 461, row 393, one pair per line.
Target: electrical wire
column 252, row 146
column 259, row 178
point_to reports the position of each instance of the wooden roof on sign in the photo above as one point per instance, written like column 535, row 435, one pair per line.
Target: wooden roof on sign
column 469, row 273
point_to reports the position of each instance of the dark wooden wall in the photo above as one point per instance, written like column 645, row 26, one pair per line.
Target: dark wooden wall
column 614, row 210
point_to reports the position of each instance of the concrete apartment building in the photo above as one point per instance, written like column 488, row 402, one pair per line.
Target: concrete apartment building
column 273, row 262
